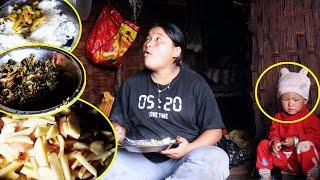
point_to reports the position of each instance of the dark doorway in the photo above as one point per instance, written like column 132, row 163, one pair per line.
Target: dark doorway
column 219, row 46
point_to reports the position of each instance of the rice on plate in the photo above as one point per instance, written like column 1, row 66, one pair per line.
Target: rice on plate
column 60, row 27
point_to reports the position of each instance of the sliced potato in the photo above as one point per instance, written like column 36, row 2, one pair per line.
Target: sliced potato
column 50, row 118
column 61, row 145
column 73, row 126
column 86, row 175
column 4, row 163
column 103, row 156
column 65, row 167
column 85, row 135
column 29, row 172
column 8, row 120
column 25, row 132
column 41, row 131
column 63, row 126
column 12, row 175
column 71, row 155
column 8, row 129
column 91, row 156
column 30, row 122
column 107, row 133
column 44, row 173
column 52, row 132
column 9, row 168
column 96, row 147
column 81, row 172
column 55, row 166
column 76, row 163
column 80, row 146
column 40, row 153
column 28, row 164
column 34, row 165
column 19, row 139
column 86, row 164
column 31, row 152
column 9, row 153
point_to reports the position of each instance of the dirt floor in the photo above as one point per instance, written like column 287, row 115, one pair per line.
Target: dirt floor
column 247, row 171
column 243, row 172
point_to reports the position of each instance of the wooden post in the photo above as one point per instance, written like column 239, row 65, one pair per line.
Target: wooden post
column 118, row 79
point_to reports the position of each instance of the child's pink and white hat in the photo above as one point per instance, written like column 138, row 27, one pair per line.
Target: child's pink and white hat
column 294, row 82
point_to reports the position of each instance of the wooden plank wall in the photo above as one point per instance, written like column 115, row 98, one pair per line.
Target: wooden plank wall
column 282, row 30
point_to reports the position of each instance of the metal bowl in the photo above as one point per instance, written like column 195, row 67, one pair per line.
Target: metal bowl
column 71, row 83
column 138, row 148
column 93, row 120
column 93, row 125
column 65, row 7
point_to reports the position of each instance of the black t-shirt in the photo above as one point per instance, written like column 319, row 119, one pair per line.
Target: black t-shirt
column 185, row 107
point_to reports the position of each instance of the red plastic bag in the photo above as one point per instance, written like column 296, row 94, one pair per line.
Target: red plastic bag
column 110, row 38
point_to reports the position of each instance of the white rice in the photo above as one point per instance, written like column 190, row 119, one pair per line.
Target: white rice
column 56, row 30
column 154, row 142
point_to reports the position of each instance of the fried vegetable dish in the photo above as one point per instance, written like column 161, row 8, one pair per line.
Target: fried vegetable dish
column 23, row 83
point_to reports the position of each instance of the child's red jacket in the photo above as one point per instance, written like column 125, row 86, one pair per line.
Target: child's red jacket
column 308, row 129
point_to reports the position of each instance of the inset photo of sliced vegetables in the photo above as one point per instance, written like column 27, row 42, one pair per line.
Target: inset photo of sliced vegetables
column 76, row 143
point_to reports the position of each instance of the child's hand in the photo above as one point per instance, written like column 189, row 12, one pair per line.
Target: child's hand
column 288, row 142
column 276, row 146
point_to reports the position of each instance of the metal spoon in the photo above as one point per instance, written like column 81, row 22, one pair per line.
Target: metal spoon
column 131, row 141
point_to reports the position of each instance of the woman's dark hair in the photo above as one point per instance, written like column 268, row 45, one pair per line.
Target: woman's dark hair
column 176, row 36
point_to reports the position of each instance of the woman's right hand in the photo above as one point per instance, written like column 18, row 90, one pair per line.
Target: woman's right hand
column 120, row 131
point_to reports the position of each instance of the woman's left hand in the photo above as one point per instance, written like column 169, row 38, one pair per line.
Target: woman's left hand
column 180, row 151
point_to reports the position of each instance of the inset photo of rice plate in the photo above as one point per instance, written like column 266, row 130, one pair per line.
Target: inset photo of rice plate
column 51, row 22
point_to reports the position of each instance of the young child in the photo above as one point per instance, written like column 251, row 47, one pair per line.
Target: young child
column 293, row 147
